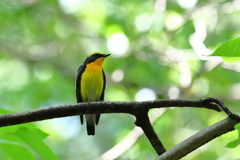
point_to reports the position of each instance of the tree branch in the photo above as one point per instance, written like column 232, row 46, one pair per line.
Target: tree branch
column 224, row 108
column 99, row 107
column 143, row 121
column 199, row 139
column 130, row 139
column 138, row 109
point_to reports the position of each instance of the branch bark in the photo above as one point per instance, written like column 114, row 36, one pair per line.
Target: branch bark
column 130, row 139
column 142, row 120
column 199, row 139
column 99, row 107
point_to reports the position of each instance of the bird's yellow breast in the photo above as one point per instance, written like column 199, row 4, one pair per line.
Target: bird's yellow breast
column 92, row 82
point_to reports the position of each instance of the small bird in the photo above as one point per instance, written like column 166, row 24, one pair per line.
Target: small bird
column 90, row 86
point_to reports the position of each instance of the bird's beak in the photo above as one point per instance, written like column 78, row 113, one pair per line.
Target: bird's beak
column 106, row 55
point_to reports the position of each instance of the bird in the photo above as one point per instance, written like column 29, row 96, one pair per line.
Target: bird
column 90, row 86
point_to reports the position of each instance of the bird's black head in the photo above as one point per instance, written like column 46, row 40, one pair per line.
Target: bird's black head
column 94, row 56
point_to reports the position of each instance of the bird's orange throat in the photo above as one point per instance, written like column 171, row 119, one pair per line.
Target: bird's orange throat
column 95, row 66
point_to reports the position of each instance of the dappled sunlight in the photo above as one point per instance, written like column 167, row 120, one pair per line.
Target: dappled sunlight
column 231, row 7
column 143, row 22
column 234, row 91
column 187, row 4
column 145, row 94
column 118, row 44
column 173, row 21
column 200, row 87
column 61, row 128
column 43, row 71
column 173, row 93
column 117, row 75
column 71, row 6
column 117, row 93
column 14, row 75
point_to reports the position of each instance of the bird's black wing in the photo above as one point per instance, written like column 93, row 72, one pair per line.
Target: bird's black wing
column 78, row 87
column 104, row 85
column 102, row 96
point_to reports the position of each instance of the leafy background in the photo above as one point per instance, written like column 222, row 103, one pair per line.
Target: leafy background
column 159, row 51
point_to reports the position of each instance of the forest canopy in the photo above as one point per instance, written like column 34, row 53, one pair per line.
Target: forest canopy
column 159, row 50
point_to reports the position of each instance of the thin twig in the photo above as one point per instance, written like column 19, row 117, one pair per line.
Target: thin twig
column 143, row 121
column 224, row 108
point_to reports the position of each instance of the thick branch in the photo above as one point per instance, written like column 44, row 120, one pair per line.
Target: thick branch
column 199, row 139
column 98, row 107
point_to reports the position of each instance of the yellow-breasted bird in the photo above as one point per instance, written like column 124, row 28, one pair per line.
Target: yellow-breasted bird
column 90, row 86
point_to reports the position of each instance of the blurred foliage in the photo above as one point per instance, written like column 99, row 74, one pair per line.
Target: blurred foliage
column 159, row 51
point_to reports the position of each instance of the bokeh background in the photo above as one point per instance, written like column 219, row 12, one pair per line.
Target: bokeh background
column 159, row 50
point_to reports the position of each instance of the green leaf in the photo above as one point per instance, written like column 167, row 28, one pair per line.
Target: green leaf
column 8, row 133
column 231, row 59
column 3, row 111
column 41, row 135
column 36, row 143
column 229, row 50
column 237, row 127
column 233, row 144
column 16, row 152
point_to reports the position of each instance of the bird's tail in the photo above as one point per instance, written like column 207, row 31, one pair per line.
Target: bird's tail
column 90, row 130
column 81, row 119
column 90, row 124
